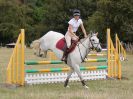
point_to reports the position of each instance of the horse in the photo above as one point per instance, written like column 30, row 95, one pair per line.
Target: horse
column 75, row 58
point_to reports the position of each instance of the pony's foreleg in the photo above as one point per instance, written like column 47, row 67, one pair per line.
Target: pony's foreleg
column 77, row 70
column 45, row 54
column 35, row 52
column 39, row 53
column 68, row 77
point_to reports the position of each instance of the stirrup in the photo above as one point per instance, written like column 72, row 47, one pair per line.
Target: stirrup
column 63, row 59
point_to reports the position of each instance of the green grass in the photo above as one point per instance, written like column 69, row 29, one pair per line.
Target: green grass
column 99, row 89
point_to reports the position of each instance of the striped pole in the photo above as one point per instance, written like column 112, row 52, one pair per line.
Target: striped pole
column 43, row 62
column 96, row 60
column 61, row 62
column 97, row 54
column 64, row 69
column 104, row 49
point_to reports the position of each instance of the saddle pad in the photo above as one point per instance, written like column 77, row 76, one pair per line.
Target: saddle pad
column 61, row 44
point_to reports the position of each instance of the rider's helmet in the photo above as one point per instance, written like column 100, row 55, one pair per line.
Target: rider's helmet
column 76, row 12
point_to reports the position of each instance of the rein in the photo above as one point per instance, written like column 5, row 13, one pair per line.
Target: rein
column 87, row 49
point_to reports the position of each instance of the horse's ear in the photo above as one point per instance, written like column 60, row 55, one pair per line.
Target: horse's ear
column 91, row 33
column 97, row 34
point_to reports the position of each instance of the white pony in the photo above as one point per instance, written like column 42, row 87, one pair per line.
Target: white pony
column 75, row 58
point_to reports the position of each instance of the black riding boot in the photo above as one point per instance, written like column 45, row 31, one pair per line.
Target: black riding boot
column 64, row 57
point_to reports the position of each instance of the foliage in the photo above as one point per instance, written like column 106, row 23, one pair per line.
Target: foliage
column 40, row 16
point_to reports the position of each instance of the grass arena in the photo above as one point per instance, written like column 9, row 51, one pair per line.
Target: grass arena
column 98, row 89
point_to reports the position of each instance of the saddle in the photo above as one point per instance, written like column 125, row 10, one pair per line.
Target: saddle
column 61, row 45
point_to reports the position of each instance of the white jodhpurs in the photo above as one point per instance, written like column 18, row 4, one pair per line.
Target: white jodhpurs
column 68, row 38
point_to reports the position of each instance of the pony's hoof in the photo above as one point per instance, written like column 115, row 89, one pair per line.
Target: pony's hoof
column 86, row 87
column 67, row 86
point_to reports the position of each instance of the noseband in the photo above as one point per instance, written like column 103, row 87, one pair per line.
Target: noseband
column 93, row 48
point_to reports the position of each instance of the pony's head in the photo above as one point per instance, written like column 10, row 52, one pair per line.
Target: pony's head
column 95, row 44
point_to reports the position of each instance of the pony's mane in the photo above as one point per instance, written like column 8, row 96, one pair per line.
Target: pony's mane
column 83, row 39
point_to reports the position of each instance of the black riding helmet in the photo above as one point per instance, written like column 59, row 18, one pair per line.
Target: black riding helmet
column 76, row 12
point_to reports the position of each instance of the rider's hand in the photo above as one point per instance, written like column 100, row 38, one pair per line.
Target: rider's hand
column 77, row 37
column 85, row 36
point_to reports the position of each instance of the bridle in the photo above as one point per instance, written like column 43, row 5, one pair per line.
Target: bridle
column 91, row 43
column 89, row 48
column 94, row 48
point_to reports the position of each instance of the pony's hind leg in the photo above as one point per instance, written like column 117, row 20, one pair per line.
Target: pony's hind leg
column 68, row 77
column 77, row 70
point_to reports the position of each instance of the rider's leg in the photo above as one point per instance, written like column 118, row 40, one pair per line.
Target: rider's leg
column 68, row 42
column 68, row 39
column 75, row 40
column 65, row 54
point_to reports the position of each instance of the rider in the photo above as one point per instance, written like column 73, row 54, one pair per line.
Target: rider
column 74, row 23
